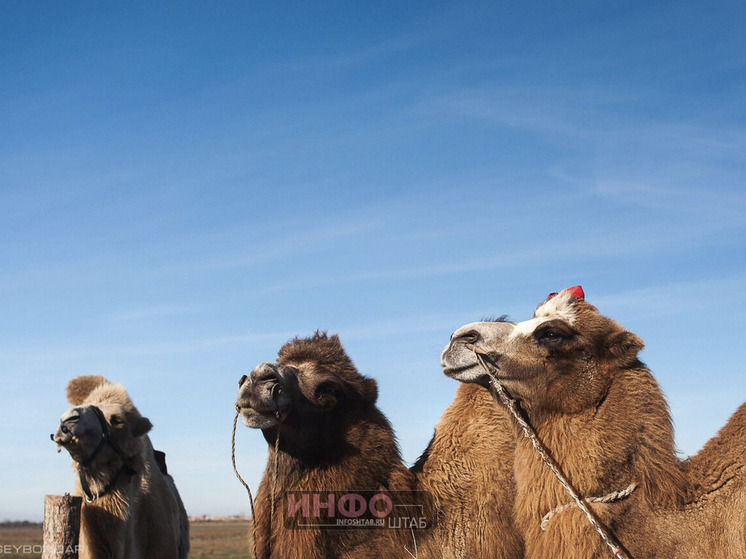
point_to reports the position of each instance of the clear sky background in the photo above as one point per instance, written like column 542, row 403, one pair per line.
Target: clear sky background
column 184, row 186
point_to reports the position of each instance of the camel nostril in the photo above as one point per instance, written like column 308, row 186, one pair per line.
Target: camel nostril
column 276, row 391
column 242, row 380
column 265, row 373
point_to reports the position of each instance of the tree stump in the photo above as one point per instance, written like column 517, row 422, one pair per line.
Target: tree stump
column 61, row 527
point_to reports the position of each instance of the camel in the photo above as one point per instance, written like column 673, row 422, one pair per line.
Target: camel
column 332, row 453
column 577, row 379
column 468, row 470
column 131, row 508
column 320, row 436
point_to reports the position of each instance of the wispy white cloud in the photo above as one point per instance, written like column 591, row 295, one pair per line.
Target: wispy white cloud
column 715, row 204
column 156, row 311
column 672, row 297
column 372, row 53
column 49, row 357
column 602, row 247
column 570, row 113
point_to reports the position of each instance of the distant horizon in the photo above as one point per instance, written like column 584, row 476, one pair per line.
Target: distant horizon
column 198, row 518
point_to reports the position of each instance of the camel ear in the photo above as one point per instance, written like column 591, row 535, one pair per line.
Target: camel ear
column 140, row 426
column 79, row 388
column 327, row 393
column 369, row 390
column 623, row 347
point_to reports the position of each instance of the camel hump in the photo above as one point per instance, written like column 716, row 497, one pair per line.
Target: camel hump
column 80, row 387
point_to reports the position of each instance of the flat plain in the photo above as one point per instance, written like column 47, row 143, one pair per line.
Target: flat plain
column 210, row 539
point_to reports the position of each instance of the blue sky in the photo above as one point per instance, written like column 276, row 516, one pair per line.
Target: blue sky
column 184, row 186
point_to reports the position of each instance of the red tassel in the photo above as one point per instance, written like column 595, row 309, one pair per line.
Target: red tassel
column 576, row 292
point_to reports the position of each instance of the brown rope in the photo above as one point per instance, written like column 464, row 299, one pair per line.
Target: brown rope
column 612, row 497
column 246, row 485
column 499, row 392
column 274, row 480
column 414, row 540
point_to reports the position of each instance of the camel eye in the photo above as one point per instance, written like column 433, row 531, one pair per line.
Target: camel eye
column 550, row 337
column 116, row 421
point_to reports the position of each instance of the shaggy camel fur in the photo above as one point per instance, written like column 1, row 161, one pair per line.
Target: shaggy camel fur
column 131, row 509
column 461, row 470
column 603, row 417
column 332, row 438
column 468, row 469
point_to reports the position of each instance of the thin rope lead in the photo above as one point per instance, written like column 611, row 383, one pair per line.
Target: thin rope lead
column 274, row 480
column 528, row 431
column 608, row 498
column 246, row 485
column 414, row 540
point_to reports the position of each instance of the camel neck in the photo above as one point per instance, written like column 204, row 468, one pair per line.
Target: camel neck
column 105, row 482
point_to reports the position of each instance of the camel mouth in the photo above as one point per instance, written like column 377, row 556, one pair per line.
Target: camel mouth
column 472, row 373
column 263, row 400
column 460, row 362
column 61, row 439
column 264, row 412
column 262, row 419
column 64, row 435
column 263, row 405
column 458, row 371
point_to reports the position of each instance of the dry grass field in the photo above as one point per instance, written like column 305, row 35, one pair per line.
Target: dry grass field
column 20, row 540
column 213, row 539
column 220, row 539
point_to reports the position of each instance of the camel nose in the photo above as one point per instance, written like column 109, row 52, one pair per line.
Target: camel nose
column 62, row 435
column 68, row 423
column 266, row 372
column 264, row 384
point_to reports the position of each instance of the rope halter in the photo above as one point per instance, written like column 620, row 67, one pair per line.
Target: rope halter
column 500, row 394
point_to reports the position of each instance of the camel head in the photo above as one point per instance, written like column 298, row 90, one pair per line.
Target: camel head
column 102, row 424
column 563, row 359
column 313, row 378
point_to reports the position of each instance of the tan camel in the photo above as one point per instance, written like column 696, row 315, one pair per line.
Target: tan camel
column 603, row 418
column 131, row 507
column 468, row 470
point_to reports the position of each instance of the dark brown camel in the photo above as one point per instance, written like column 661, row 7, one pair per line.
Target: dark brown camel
column 333, row 441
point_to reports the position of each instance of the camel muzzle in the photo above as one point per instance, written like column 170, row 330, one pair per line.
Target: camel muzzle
column 262, row 393
column 64, row 434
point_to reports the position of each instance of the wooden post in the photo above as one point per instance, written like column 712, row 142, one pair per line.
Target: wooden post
column 61, row 526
